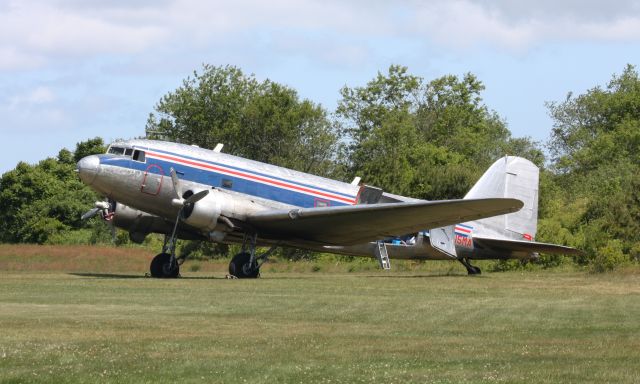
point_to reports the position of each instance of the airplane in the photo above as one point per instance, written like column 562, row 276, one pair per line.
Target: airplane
column 187, row 192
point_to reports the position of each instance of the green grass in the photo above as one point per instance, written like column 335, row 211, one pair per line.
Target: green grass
column 108, row 324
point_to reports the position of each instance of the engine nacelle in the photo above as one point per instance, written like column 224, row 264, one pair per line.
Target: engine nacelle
column 204, row 214
column 130, row 219
column 139, row 224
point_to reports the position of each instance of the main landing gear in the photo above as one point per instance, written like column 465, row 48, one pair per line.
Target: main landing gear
column 471, row 269
column 246, row 265
column 166, row 265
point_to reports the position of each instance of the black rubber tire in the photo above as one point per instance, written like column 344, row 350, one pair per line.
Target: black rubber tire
column 238, row 267
column 159, row 267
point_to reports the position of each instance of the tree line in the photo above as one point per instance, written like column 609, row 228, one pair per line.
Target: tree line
column 425, row 139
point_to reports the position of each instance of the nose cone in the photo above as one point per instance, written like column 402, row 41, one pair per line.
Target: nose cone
column 88, row 168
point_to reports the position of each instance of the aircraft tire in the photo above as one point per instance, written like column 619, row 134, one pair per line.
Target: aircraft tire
column 238, row 267
column 159, row 267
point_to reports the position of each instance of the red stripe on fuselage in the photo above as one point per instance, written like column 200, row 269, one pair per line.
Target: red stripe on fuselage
column 245, row 175
column 463, row 229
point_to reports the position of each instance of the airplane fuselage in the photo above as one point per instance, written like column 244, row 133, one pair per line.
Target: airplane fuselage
column 136, row 173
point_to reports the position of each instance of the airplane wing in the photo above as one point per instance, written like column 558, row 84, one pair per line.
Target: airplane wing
column 519, row 246
column 347, row 225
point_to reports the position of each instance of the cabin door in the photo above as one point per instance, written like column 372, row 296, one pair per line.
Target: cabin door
column 443, row 239
column 152, row 180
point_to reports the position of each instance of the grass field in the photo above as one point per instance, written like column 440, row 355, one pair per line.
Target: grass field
column 110, row 325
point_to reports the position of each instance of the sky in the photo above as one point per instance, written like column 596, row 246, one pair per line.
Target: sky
column 76, row 69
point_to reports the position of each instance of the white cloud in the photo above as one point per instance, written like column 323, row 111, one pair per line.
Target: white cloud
column 34, row 110
column 35, row 97
column 12, row 57
column 463, row 24
column 34, row 33
column 519, row 25
column 583, row 11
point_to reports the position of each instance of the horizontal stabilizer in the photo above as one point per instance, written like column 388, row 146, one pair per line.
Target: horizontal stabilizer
column 502, row 245
column 355, row 224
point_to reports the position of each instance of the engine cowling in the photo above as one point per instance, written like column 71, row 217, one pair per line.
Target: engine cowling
column 139, row 224
column 204, row 214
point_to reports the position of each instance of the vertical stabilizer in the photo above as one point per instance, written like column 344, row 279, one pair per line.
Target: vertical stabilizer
column 513, row 177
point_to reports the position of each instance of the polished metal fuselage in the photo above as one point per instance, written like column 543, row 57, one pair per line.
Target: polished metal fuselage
column 244, row 186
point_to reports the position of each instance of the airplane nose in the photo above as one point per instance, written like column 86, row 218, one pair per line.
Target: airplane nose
column 88, row 168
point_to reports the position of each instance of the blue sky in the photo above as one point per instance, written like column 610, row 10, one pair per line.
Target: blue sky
column 76, row 69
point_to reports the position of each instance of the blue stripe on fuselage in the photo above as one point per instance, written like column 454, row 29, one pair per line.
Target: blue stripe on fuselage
column 214, row 179
column 243, row 170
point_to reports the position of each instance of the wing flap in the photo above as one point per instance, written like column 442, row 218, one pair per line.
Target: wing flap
column 355, row 224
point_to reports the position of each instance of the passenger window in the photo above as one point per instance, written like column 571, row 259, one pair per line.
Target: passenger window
column 139, row 156
column 128, row 152
column 226, row 183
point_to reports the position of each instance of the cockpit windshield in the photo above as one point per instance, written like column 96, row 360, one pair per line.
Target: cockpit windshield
column 119, row 150
column 114, row 150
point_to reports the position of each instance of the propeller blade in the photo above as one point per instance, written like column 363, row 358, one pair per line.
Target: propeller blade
column 177, row 187
column 103, row 204
column 196, row 197
column 90, row 213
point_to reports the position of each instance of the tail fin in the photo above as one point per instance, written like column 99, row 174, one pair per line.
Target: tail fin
column 513, row 177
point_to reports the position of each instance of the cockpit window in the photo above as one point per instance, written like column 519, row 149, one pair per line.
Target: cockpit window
column 122, row 151
column 138, row 156
column 116, row 150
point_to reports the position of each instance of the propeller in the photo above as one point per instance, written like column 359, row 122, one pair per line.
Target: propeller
column 90, row 213
column 196, row 197
column 179, row 200
column 106, row 209
column 102, row 207
column 177, row 187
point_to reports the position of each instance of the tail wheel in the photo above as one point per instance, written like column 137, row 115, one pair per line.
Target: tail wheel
column 163, row 267
column 240, row 267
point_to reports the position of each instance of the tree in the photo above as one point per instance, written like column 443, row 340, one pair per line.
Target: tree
column 599, row 127
column 38, row 202
column 264, row 121
column 429, row 140
column 595, row 143
column 86, row 148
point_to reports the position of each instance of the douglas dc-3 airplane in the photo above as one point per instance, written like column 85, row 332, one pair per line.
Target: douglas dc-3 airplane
column 188, row 192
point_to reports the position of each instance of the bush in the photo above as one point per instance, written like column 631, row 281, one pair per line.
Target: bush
column 609, row 257
column 203, row 250
column 78, row 237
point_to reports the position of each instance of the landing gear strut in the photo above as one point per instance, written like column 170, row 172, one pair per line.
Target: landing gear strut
column 471, row 269
column 246, row 265
column 166, row 264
